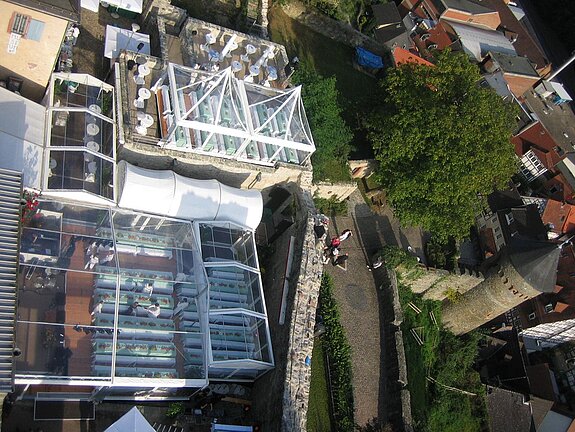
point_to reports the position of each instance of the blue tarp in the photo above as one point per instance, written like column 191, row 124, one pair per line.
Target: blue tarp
column 368, row 59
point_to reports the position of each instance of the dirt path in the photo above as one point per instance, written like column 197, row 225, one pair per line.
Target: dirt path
column 366, row 310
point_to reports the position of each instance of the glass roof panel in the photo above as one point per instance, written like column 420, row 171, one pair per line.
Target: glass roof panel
column 83, row 95
column 232, row 287
column 237, row 337
column 82, row 129
column 80, row 170
column 226, row 242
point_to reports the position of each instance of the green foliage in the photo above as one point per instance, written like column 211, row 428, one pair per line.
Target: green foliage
column 395, row 256
column 331, row 135
column 339, row 353
column 331, row 206
column 440, row 140
column 318, row 411
column 440, row 253
column 448, row 359
column 175, row 409
column 452, row 295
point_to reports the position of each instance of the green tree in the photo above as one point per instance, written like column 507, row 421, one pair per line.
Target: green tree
column 331, row 134
column 442, row 141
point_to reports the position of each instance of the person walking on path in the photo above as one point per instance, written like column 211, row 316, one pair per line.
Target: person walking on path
column 345, row 235
column 341, row 261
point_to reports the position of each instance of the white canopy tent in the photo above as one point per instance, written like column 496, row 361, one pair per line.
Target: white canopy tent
column 91, row 5
column 22, row 137
column 132, row 421
column 118, row 39
column 165, row 192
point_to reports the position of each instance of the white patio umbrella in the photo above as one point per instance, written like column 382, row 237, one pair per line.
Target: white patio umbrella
column 132, row 421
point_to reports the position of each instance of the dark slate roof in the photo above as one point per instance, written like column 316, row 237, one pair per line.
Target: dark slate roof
column 540, row 407
column 394, row 35
column 386, row 13
column 501, row 200
column 472, row 7
column 535, row 261
column 65, row 9
column 514, row 64
column 508, row 411
column 527, row 222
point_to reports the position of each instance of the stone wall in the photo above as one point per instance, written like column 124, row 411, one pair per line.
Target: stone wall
column 296, row 389
column 341, row 189
column 333, row 29
column 230, row 172
column 401, row 361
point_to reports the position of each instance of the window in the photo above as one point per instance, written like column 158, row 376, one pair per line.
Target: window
column 19, row 24
column 531, row 316
column 549, row 308
column 26, row 27
column 509, row 218
column 498, row 236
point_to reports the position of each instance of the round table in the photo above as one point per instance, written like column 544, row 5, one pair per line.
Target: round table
column 144, row 93
column 272, row 73
column 53, row 163
column 213, row 55
column 141, row 60
column 236, row 66
column 92, row 167
column 254, row 70
column 147, row 121
column 93, row 145
column 250, row 49
column 95, row 108
column 140, row 115
column 210, row 39
column 143, row 70
column 92, row 129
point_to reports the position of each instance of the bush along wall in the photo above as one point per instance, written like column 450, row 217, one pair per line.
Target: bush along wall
column 335, row 345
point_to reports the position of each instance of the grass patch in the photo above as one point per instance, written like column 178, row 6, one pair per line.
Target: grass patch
column 449, row 360
column 329, row 58
column 330, row 207
column 318, row 412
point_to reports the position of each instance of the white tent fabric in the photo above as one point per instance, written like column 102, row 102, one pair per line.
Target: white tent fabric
column 169, row 194
column 132, row 421
column 118, row 39
column 22, row 136
column 90, row 5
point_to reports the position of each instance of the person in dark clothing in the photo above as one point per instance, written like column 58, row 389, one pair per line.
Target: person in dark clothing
column 133, row 308
column 341, row 261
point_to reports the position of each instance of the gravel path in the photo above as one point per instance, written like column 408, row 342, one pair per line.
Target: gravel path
column 364, row 308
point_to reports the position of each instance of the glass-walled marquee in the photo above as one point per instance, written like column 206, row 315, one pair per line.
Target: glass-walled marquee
column 116, row 298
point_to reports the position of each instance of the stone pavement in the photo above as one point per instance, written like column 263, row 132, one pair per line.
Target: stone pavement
column 366, row 310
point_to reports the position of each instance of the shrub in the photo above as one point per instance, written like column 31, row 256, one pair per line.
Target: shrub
column 331, row 206
column 339, row 354
column 395, row 256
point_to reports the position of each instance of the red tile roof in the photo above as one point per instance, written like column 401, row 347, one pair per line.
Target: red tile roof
column 556, row 213
column 538, row 139
column 403, row 56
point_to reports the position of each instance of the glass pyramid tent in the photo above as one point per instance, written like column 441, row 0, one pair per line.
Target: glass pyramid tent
column 220, row 115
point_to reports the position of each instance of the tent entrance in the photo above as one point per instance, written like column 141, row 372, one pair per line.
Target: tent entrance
column 64, row 406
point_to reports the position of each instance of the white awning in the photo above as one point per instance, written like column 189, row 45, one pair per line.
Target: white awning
column 129, row 5
column 132, row 421
column 118, row 39
column 22, row 137
column 560, row 91
column 169, row 194
column 92, row 5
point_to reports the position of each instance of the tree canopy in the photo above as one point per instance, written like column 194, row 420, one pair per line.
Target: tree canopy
column 331, row 134
column 442, row 142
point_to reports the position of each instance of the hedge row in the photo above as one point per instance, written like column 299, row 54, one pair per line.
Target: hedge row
column 339, row 354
